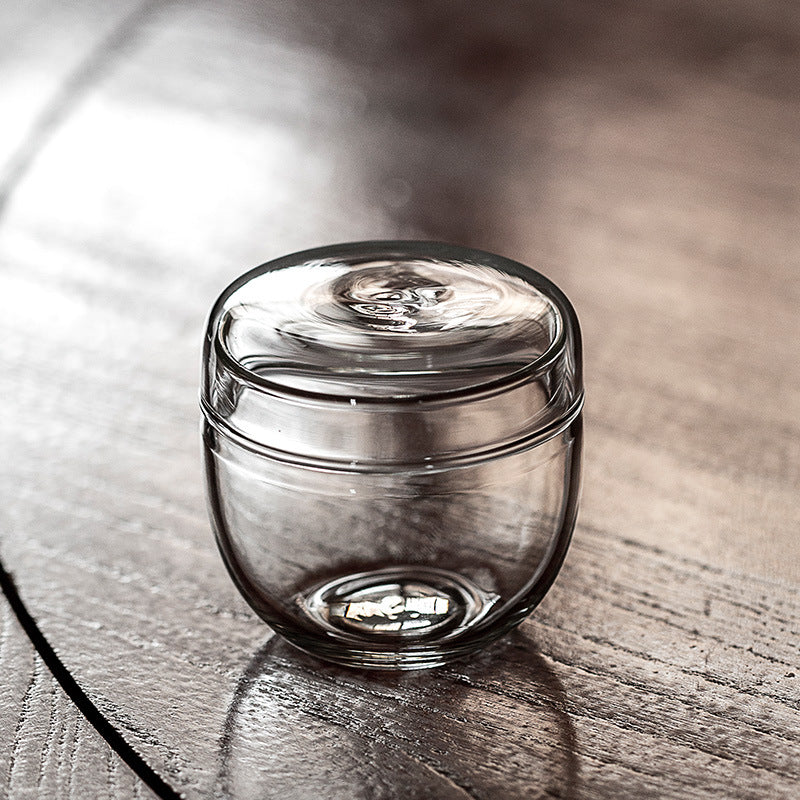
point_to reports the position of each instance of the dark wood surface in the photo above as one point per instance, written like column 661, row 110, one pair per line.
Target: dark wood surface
column 47, row 747
column 646, row 158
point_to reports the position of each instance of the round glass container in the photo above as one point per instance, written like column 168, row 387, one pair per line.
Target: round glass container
column 392, row 442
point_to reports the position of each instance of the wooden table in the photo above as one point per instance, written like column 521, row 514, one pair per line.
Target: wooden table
column 646, row 157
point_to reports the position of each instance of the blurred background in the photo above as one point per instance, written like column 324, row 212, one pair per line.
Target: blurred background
column 644, row 156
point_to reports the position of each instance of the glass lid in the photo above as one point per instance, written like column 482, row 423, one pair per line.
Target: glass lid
column 401, row 325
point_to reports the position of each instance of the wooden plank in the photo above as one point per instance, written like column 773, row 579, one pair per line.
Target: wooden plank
column 647, row 160
column 47, row 748
column 613, row 689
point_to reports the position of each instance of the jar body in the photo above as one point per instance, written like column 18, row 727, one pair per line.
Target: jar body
column 394, row 568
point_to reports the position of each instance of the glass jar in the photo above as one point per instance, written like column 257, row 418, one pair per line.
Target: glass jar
column 392, row 441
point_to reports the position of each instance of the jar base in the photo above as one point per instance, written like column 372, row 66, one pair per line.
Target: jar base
column 402, row 615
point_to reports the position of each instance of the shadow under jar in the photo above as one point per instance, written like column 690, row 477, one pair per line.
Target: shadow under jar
column 392, row 444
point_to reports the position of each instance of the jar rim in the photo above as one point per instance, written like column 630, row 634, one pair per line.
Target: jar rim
column 567, row 330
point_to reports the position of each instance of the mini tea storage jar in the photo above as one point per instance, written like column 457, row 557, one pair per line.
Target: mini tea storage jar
column 392, row 437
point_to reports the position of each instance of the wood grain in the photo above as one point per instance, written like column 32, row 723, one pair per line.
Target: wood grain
column 49, row 54
column 47, row 748
column 646, row 159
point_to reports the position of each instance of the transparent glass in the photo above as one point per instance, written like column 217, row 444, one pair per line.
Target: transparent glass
column 392, row 441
